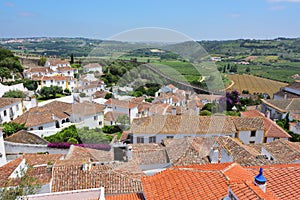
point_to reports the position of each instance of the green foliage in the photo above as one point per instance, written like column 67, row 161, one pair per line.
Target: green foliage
column 72, row 141
column 233, row 113
column 108, row 95
column 12, row 127
column 80, row 135
column 30, row 84
column 5, row 73
column 123, row 119
column 52, row 90
column 14, row 94
column 67, row 91
column 205, row 113
column 42, row 61
column 82, row 94
column 111, row 129
column 72, row 59
column 149, row 100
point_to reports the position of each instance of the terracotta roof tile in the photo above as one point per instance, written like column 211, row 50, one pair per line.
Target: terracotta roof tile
column 175, row 124
column 92, row 65
column 79, row 155
column 25, row 137
column 270, row 127
column 9, row 101
column 147, row 154
column 284, row 105
column 248, row 123
column 133, row 196
column 116, row 178
column 7, row 169
column 86, row 108
column 120, row 103
column 40, row 115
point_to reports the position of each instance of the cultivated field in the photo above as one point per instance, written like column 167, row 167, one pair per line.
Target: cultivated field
column 254, row 84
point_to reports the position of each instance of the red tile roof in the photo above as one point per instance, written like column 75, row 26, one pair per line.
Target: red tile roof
column 116, row 178
column 270, row 127
column 210, row 181
column 9, row 101
column 120, row 103
column 133, row 196
column 178, row 124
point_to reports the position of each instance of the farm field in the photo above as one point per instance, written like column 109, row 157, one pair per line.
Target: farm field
column 254, row 84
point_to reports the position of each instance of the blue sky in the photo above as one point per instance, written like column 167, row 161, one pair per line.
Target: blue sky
column 199, row 19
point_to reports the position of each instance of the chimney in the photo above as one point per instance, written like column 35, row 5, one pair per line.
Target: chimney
column 285, row 96
column 174, row 111
column 214, row 154
column 260, row 180
column 102, row 197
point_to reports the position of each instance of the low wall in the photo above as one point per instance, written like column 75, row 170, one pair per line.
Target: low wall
column 16, row 148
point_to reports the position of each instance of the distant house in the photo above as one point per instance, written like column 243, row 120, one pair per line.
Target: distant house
column 10, row 109
column 3, row 159
column 124, row 107
column 33, row 165
column 25, row 137
column 38, row 71
column 290, row 91
column 66, row 82
column 156, row 128
column 279, row 108
column 88, row 114
column 47, row 117
column 56, row 63
column 295, row 126
column 93, row 67
column 272, row 130
column 88, row 90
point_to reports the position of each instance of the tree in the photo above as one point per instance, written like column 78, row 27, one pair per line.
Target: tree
column 123, row 119
column 14, row 94
column 12, row 127
column 248, row 70
column 55, row 90
column 108, row 96
column 30, row 84
column 205, row 113
column 4, row 73
column 45, row 91
column 72, row 59
column 42, row 61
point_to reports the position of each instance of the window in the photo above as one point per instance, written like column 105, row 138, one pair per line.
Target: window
column 140, row 139
column 17, row 107
column 40, row 128
column 5, row 113
column 100, row 123
column 252, row 142
column 253, row 134
column 58, row 82
column 69, row 83
column 62, row 82
column 95, row 117
column 51, row 81
column 170, row 137
column 152, row 139
column 44, row 82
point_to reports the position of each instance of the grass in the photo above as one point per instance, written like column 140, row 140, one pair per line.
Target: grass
column 42, row 98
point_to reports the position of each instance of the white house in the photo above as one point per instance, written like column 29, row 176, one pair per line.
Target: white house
column 88, row 114
column 55, row 63
column 38, row 71
column 93, row 67
column 2, row 150
column 279, row 108
column 88, row 90
column 66, row 71
column 10, row 109
column 66, row 82
column 250, row 130
column 124, row 107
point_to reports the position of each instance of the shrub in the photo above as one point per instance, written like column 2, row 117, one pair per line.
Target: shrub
column 72, row 141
